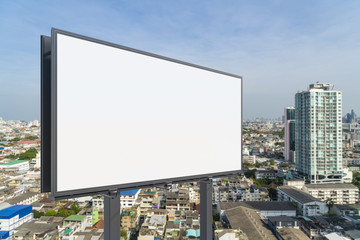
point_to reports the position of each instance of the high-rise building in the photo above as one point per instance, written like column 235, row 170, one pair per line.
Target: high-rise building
column 289, row 128
column 318, row 133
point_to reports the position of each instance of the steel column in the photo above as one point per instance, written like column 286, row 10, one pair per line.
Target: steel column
column 206, row 231
column 112, row 216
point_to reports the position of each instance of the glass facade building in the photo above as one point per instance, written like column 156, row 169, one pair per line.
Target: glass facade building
column 318, row 133
column 289, row 128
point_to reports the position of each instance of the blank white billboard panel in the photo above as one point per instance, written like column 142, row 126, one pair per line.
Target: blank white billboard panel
column 126, row 117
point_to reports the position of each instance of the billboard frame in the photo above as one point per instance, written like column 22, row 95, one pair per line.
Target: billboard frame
column 45, row 66
column 56, row 195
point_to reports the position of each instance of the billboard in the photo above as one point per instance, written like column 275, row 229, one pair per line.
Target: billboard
column 123, row 118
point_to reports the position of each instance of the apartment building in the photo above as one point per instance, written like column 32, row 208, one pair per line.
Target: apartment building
column 318, row 133
column 339, row 193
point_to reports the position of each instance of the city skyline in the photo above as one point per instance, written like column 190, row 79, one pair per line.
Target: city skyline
column 278, row 47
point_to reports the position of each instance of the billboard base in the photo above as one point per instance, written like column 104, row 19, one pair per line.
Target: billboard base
column 112, row 215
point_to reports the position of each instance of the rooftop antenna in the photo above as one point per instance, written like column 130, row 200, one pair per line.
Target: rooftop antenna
column 333, row 85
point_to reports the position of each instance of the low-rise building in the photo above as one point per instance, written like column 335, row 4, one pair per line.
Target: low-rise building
column 80, row 221
column 16, row 165
column 127, row 199
column 173, row 230
column 282, row 221
column 264, row 209
column 5, row 235
column 129, row 219
column 36, row 230
column 24, row 199
column 14, row 216
column 220, row 194
column 153, row 227
column 298, row 183
column 307, row 205
column 261, row 174
column 248, row 221
column 249, row 159
column 286, row 233
column 339, row 193
column 346, row 210
column 233, row 234
column 255, row 193
column 178, row 200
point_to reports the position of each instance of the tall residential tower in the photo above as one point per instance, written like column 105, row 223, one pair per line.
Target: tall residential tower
column 318, row 133
column 289, row 127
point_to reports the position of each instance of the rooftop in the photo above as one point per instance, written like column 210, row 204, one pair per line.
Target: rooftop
column 281, row 219
column 354, row 234
column 10, row 212
column 250, row 223
column 37, row 228
column 157, row 220
column 331, row 186
column 292, row 233
column 262, row 206
column 299, row 195
column 4, row 234
column 348, row 207
column 76, row 218
column 21, row 197
column 193, row 233
column 13, row 162
column 323, row 86
column 130, row 192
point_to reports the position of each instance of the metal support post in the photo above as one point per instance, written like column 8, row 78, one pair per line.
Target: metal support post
column 206, row 231
column 112, row 216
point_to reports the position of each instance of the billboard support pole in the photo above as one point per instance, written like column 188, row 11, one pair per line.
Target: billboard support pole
column 112, row 215
column 206, row 209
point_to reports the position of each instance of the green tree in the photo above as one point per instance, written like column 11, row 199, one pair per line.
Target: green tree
column 38, row 214
column 272, row 161
column 250, row 173
column 51, row 213
column 14, row 140
column 272, row 193
column 32, row 138
column 75, row 207
column 28, row 155
column 295, row 204
column 12, row 156
column 123, row 234
column 329, row 203
column 62, row 212
column 247, row 165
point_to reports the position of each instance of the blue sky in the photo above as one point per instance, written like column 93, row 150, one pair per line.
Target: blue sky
column 278, row 46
